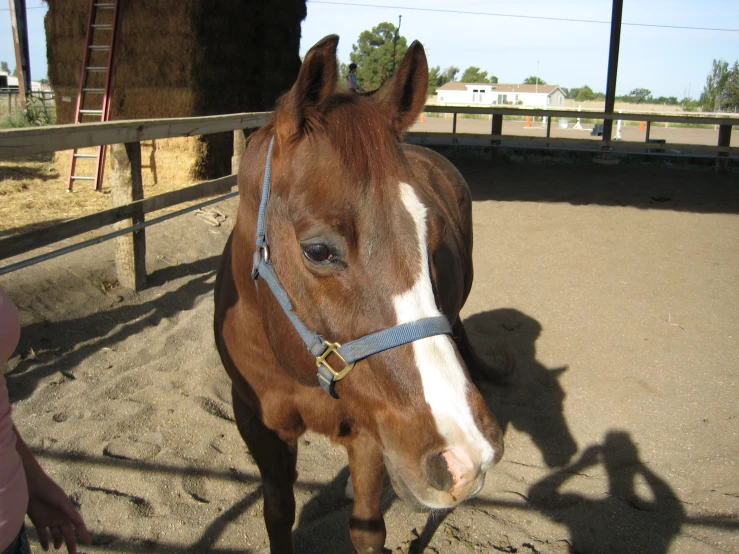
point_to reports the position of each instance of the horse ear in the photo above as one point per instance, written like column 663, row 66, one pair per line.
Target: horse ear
column 404, row 96
column 316, row 81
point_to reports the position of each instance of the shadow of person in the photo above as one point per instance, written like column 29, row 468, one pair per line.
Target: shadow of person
column 532, row 400
column 641, row 513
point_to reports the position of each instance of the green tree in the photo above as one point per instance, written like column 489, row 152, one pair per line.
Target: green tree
column 581, row 94
column 712, row 96
column 439, row 77
column 689, row 104
column 640, row 95
column 450, row 73
column 436, row 79
column 377, row 54
column 532, row 80
column 4, row 67
column 473, row 75
column 731, row 89
column 670, row 100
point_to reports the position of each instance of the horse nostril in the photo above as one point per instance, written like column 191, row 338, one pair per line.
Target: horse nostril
column 437, row 472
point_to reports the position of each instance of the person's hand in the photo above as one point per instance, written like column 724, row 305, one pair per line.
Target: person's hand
column 52, row 512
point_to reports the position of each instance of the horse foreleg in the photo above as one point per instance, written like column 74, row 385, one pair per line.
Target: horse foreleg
column 366, row 526
column 276, row 460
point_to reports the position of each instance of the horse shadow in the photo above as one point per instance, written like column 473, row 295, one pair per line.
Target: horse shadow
column 533, row 400
column 640, row 514
column 323, row 520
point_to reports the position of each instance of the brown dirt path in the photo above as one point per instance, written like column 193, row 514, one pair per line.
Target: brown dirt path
column 616, row 287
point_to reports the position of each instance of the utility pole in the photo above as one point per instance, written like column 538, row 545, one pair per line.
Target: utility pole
column 612, row 66
column 20, row 40
column 395, row 43
column 537, row 76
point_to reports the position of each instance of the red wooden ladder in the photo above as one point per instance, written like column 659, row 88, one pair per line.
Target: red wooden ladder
column 96, row 84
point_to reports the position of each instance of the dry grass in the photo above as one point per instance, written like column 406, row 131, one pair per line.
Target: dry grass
column 33, row 190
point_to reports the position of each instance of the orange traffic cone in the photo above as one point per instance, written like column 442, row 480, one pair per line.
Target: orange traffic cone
column 528, row 121
column 642, row 125
column 422, row 118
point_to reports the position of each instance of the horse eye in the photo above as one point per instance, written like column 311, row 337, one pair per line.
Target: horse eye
column 318, row 253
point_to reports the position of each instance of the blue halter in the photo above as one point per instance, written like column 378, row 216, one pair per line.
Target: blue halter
column 350, row 352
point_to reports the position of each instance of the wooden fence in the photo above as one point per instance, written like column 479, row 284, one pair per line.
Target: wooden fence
column 10, row 103
column 722, row 122
column 129, row 206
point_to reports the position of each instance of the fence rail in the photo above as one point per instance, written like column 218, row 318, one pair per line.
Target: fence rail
column 126, row 184
column 127, row 189
column 723, row 122
column 51, row 138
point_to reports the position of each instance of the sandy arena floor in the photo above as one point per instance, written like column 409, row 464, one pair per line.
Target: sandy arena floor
column 617, row 288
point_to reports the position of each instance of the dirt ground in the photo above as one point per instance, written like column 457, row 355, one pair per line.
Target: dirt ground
column 616, row 288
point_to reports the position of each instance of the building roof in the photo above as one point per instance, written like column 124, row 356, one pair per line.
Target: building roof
column 501, row 87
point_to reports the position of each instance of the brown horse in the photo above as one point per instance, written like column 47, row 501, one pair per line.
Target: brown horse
column 365, row 234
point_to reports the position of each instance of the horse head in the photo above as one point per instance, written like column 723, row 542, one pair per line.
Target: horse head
column 354, row 231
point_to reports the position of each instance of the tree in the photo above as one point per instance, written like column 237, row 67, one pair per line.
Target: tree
column 731, row 89
column 377, row 54
column 473, row 75
column 533, row 80
column 640, row 95
column 450, row 73
column 436, row 79
column 4, row 67
column 581, row 94
column 670, row 100
column 710, row 99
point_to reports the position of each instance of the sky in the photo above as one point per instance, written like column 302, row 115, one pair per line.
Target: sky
column 506, row 39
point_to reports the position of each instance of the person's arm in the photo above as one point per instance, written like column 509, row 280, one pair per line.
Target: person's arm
column 49, row 508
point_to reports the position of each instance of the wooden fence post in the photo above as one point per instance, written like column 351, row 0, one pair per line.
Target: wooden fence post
column 724, row 141
column 126, row 186
column 239, row 147
column 496, row 128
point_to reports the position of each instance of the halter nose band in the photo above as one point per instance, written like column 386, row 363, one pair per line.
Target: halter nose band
column 350, row 352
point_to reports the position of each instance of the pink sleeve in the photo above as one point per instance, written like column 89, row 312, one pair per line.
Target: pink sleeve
column 13, row 488
column 10, row 330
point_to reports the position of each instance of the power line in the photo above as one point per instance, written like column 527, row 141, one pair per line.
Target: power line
column 31, row 8
column 571, row 20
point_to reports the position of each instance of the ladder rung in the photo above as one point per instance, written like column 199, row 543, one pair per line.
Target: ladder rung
column 91, row 112
column 100, row 90
column 99, row 47
column 102, row 26
column 96, row 69
column 86, row 156
column 81, row 178
column 105, row 5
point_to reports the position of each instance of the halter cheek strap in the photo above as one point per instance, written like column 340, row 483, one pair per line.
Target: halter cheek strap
column 348, row 353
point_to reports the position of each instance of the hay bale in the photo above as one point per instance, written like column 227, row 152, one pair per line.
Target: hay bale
column 183, row 58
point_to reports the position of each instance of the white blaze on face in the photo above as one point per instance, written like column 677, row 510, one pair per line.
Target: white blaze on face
column 443, row 379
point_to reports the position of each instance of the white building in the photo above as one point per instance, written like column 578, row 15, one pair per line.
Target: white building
column 496, row 94
column 7, row 81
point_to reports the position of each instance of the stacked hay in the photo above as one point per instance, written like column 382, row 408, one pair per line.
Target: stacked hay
column 183, row 58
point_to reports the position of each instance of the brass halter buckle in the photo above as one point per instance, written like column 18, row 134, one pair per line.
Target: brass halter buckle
column 333, row 347
column 327, row 375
